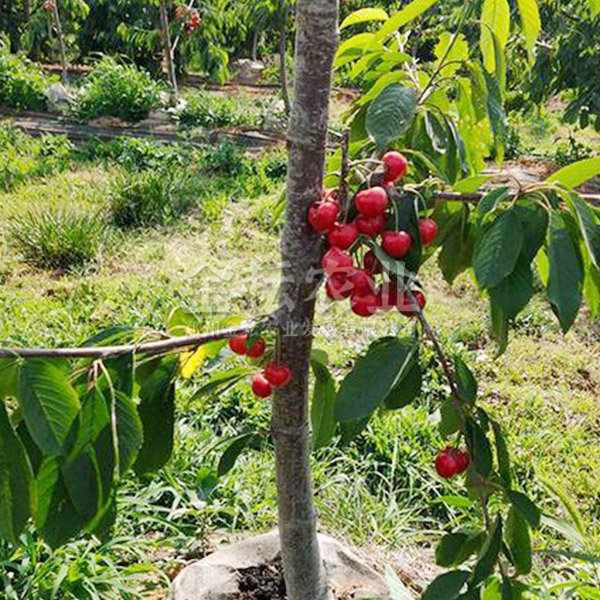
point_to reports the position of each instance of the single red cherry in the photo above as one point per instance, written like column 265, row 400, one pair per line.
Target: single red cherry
column 395, row 166
column 238, row 344
column 388, row 295
column 371, row 202
column 427, row 231
column 365, row 305
column 370, row 226
column 371, row 263
column 446, row 463
column 261, row 387
column 337, row 261
column 407, row 307
column 363, row 283
column 343, row 235
column 278, row 374
column 322, row 216
column 338, row 287
column 396, row 243
column 464, row 460
column 257, row 349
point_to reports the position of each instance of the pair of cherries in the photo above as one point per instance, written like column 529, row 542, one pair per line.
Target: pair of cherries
column 452, row 461
column 275, row 374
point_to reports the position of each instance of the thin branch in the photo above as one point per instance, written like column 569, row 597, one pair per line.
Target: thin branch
column 593, row 199
column 148, row 348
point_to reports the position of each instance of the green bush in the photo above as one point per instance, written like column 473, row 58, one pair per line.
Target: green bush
column 149, row 198
column 22, row 83
column 23, row 157
column 57, row 238
column 113, row 89
column 209, row 110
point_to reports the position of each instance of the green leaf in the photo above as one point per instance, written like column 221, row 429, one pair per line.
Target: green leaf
column 352, row 49
column 497, row 114
column 502, row 454
column 495, row 15
column 526, row 508
column 437, row 132
column 480, row 448
column 567, row 502
column 565, row 280
column 534, row 221
column 157, row 413
column 372, row 378
column 465, row 381
column 15, row 481
column 130, row 431
column 577, row 173
column 408, row 387
column 206, row 483
column 588, row 223
column 457, row 251
column 532, row 25
column 518, row 540
column 352, row 429
column 471, row 185
column 488, row 555
column 363, row 15
column 391, row 114
column 232, row 452
column 499, row 328
column 489, row 202
column 447, row 586
column 565, row 528
column 49, row 404
column 9, row 375
column 450, row 419
column 82, row 480
column 404, row 16
column 514, row 292
column 452, row 55
column 455, row 548
column 594, row 8
column 322, row 406
column 497, row 250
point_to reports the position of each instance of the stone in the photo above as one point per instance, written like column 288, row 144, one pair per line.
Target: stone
column 247, row 71
column 216, row 577
column 58, row 96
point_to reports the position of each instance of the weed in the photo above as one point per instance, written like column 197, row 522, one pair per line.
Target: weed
column 207, row 110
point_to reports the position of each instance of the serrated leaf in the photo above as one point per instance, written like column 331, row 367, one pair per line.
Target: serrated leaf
column 391, row 114
column 372, row 378
column 452, row 55
column 518, row 540
column 565, row 279
column 130, row 431
column 532, row 24
column 9, row 376
column 322, row 416
column 588, row 224
column 489, row 202
column 480, row 448
column 514, row 292
column 408, row 387
column 576, row 173
column 82, row 481
column 49, row 404
column 497, row 250
column 15, row 481
column 232, row 452
column 363, row 15
column 495, row 16
column 437, row 132
column 447, row 586
column 488, row 555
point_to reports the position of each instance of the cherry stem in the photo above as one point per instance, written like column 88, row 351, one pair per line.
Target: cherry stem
column 344, row 195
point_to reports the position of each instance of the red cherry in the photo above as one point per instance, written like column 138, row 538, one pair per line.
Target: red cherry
column 464, row 460
column 371, row 263
column 395, row 166
column 337, row 261
column 238, row 344
column 406, row 305
column 370, row 226
column 363, row 283
column 446, row 463
column 257, row 349
column 427, row 231
column 388, row 295
column 322, row 216
column 365, row 305
column 371, row 202
column 396, row 243
column 277, row 374
column 343, row 235
column 338, row 287
column 261, row 387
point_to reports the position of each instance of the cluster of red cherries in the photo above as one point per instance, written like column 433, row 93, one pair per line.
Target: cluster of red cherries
column 191, row 17
column 49, row 5
column 275, row 374
column 452, row 461
column 344, row 278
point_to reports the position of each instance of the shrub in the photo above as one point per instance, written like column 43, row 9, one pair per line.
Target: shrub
column 148, row 198
column 208, row 110
column 117, row 90
column 57, row 238
column 22, row 83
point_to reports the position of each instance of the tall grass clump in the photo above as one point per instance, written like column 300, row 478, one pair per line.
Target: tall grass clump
column 208, row 110
column 22, row 83
column 114, row 89
column 57, row 237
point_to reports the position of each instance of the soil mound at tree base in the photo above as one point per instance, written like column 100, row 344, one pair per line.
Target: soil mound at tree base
column 251, row 570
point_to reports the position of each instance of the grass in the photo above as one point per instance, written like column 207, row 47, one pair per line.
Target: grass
column 223, row 254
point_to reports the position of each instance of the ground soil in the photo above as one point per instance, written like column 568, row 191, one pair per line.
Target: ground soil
column 264, row 582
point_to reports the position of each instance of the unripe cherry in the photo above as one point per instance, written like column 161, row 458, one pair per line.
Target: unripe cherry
column 395, row 167
column 343, row 235
column 371, row 202
column 427, row 231
column 261, row 387
column 396, row 243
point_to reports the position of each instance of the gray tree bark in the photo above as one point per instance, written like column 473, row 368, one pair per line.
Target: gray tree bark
column 168, row 50
column 283, row 15
column 316, row 42
column 61, row 43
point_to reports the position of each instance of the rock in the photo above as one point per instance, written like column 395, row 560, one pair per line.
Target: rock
column 216, row 577
column 58, row 96
column 247, row 71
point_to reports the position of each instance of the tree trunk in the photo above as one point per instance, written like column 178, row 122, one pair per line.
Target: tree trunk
column 255, row 37
column 168, row 51
column 316, row 41
column 284, row 13
column 61, row 43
